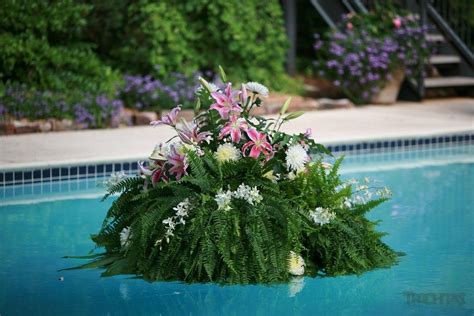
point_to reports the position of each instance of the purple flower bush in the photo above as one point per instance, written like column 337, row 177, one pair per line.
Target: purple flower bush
column 20, row 101
column 98, row 112
column 153, row 94
column 362, row 57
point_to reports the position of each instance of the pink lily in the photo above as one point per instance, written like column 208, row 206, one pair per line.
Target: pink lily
column 179, row 163
column 258, row 143
column 190, row 134
column 158, row 174
column 170, row 119
column 225, row 103
column 234, row 127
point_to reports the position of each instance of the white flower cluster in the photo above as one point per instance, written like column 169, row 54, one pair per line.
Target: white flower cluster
column 363, row 193
column 115, row 177
column 243, row 192
column 223, row 199
column 181, row 212
column 322, row 216
column 296, row 158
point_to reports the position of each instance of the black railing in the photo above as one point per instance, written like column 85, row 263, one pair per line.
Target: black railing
column 459, row 14
column 456, row 19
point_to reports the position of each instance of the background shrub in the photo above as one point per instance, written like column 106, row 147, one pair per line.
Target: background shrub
column 62, row 51
column 247, row 37
column 41, row 45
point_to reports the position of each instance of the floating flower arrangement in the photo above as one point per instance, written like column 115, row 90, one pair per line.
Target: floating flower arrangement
column 232, row 199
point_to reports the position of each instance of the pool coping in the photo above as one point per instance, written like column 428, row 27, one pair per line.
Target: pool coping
column 86, row 169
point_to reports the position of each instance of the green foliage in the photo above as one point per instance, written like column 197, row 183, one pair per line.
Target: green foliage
column 248, row 37
column 246, row 244
column 208, row 209
column 41, row 45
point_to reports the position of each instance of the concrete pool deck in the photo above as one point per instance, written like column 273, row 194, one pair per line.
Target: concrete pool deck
column 402, row 120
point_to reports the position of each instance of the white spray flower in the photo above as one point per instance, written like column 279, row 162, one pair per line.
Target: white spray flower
column 322, row 216
column 115, row 177
column 245, row 192
column 223, row 199
column 182, row 210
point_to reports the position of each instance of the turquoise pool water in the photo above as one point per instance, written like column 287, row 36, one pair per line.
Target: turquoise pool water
column 430, row 218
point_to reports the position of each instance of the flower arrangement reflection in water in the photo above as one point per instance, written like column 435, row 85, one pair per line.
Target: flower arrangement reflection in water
column 232, row 199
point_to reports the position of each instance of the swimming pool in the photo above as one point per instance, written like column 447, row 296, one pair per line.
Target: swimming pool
column 430, row 218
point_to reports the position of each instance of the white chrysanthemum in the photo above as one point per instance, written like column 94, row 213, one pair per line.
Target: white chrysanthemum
column 125, row 236
column 257, row 88
column 223, row 199
column 295, row 264
column 296, row 157
column 227, row 152
column 212, row 86
column 322, row 216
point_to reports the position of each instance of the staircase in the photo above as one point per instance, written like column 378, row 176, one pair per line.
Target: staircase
column 451, row 69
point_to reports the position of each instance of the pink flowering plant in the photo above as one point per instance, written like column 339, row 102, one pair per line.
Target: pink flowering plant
column 233, row 199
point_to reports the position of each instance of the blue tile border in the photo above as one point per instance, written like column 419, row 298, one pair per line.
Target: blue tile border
column 100, row 170
column 65, row 173
column 402, row 143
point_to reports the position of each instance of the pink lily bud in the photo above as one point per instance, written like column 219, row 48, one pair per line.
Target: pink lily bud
column 243, row 94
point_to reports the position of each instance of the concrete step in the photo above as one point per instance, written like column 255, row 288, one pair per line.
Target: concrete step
column 435, row 38
column 447, row 82
column 445, row 59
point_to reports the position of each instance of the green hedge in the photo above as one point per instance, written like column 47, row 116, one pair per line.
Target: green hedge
column 247, row 37
column 65, row 44
column 41, row 45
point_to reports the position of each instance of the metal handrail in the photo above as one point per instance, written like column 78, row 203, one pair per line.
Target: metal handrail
column 461, row 45
column 323, row 14
column 420, row 84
